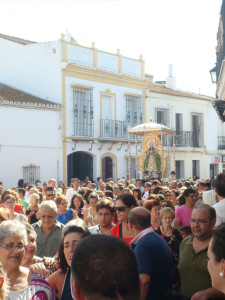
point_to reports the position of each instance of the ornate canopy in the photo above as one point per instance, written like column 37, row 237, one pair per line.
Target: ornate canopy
column 150, row 127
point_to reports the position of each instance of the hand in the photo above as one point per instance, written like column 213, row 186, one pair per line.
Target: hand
column 202, row 295
column 40, row 270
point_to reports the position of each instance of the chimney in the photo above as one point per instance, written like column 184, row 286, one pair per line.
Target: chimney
column 171, row 81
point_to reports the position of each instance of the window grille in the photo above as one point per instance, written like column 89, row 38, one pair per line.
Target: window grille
column 31, row 174
column 83, row 111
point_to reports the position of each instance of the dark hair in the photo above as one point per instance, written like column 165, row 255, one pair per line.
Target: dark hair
column 186, row 229
column 187, row 192
column 211, row 210
column 108, row 188
column 98, row 178
column 169, row 204
column 218, row 242
column 21, row 183
column 181, row 200
column 140, row 218
column 139, row 193
column 22, row 191
column 109, row 264
column 157, row 189
column 175, row 192
column 220, row 184
column 109, row 194
column 79, row 196
column 128, row 200
column 105, row 204
column 149, row 204
column 187, row 184
column 154, row 182
column 49, row 189
column 73, row 228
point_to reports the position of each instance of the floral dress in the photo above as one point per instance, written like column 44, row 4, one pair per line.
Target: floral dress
column 174, row 244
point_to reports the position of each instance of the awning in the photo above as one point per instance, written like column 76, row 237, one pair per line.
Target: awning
column 151, row 127
column 219, row 106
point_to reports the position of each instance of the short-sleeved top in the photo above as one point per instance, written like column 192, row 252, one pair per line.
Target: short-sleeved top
column 183, row 214
column 48, row 246
column 24, row 203
column 116, row 232
column 65, row 218
column 220, row 212
column 193, row 269
column 33, row 218
column 38, row 289
column 155, row 259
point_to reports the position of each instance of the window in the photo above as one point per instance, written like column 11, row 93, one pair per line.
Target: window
column 31, row 174
column 133, row 111
column 162, row 116
column 195, row 168
column 197, row 130
column 83, row 111
column 179, row 169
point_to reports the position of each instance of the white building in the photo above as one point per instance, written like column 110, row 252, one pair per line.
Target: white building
column 100, row 95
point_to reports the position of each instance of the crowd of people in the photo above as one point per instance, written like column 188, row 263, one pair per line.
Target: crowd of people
column 105, row 240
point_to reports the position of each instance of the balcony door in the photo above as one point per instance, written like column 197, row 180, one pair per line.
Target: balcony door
column 107, row 116
column 197, row 130
column 179, row 122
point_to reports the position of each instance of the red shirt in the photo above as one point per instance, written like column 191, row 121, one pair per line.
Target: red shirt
column 115, row 232
column 17, row 207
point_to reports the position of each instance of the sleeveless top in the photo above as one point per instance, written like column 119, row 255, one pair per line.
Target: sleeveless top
column 65, row 218
column 67, row 292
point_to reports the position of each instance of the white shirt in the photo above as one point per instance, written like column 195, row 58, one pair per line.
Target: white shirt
column 69, row 194
column 209, row 197
column 220, row 212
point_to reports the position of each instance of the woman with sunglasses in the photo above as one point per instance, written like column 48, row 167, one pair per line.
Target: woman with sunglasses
column 124, row 203
column 23, row 284
column 32, row 211
column 64, row 214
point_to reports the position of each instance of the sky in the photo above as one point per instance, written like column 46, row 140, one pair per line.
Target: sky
column 178, row 32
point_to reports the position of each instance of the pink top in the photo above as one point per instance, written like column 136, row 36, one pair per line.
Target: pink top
column 183, row 215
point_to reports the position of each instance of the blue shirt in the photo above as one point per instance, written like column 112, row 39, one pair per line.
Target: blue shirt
column 155, row 259
column 65, row 218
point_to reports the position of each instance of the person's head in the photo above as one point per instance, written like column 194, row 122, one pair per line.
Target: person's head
column 167, row 194
column 190, row 197
column 216, row 256
column 147, row 186
column 201, row 186
column 124, row 203
column 220, row 185
column 155, row 183
column 166, row 203
column 21, row 192
column 158, row 190
column 77, row 201
column 173, row 184
column 31, row 242
column 49, row 192
column 20, row 183
column 126, row 191
column 93, row 199
column 4, row 214
column 97, row 273
column 61, row 202
column 34, row 199
column 48, row 214
column 185, row 231
column 167, row 216
column 173, row 174
column 137, row 194
column 139, row 218
column 105, row 210
column 139, row 183
column 154, row 207
column 52, row 183
column 202, row 221
column 70, row 238
column 9, row 202
column 109, row 194
column 10, row 192
column 174, row 194
column 76, row 183
column 33, row 190
column 13, row 241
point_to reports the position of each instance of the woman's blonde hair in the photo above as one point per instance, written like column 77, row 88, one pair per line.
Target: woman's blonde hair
column 33, row 197
column 165, row 211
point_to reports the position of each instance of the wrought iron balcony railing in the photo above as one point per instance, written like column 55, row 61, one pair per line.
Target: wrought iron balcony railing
column 184, row 139
column 113, row 128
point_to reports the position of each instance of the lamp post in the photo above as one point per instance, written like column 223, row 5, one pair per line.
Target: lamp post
column 213, row 74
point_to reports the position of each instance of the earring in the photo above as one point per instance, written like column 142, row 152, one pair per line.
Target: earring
column 221, row 274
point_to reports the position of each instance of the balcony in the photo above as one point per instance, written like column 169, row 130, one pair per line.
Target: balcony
column 184, row 139
column 113, row 129
column 221, row 142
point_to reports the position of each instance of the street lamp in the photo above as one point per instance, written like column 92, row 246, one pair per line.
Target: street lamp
column 213, row 75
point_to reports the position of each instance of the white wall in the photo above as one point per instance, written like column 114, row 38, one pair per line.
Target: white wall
column 29, row 136
column 33, row 68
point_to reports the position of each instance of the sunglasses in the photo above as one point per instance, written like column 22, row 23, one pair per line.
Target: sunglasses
column 121, row 208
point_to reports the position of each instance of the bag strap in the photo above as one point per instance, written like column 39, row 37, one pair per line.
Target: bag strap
column 120, row 230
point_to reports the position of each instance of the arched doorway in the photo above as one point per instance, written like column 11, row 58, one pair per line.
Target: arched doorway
column 79, row 165
column 107, row 167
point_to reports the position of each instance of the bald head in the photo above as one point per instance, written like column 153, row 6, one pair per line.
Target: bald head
column 140, row 218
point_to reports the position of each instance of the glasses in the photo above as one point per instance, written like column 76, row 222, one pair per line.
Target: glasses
column 164, row 205
column 192, row 221
column 47, row 217
column 168, row 195
column 64, row 203
column 12, row 246
column 121, row 208
column 50, row 195
column 9, row 202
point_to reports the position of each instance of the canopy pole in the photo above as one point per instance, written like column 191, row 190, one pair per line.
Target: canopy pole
column 174, row 155
column 168, row 156
column 162, row 153
column 136, row 160
column 129, row 165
